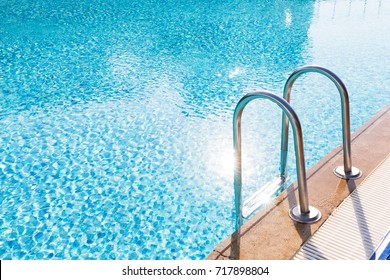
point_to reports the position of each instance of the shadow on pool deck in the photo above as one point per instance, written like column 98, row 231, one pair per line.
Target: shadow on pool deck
column 271, row 234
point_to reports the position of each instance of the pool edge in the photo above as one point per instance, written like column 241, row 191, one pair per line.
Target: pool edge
column 271, row 234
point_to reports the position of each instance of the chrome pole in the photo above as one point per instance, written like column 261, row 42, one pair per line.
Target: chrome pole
column 347, row 171
column 303, row 212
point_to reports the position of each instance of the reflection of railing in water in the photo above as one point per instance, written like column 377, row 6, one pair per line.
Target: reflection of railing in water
column 350, row 4
column 347, row 171
column 303, row 212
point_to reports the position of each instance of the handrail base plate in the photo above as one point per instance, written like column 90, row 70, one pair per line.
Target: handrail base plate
column 313, row 216
column 354, row 174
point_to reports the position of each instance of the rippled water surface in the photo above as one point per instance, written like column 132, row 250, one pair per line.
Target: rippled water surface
column 116, row 116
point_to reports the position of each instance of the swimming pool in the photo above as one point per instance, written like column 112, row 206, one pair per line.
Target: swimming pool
column 116, row 116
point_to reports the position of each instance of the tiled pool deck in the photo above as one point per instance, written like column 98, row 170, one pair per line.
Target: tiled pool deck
column 271, row 234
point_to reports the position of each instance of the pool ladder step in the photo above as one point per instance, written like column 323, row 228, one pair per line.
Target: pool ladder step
column 303, row 212
column 262, row 196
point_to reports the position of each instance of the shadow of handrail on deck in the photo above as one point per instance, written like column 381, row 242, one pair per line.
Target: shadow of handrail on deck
column 304, row 230
column 361, row 220
column 315, row 252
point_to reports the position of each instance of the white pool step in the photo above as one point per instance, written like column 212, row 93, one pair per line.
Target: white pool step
column 358, row 225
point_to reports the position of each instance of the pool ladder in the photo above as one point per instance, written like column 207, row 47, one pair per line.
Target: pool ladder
column 303, row 212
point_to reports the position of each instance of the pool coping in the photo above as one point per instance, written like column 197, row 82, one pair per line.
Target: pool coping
column 363, row 217
column 272, row 235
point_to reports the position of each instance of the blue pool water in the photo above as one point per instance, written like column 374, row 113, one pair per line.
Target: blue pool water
column 382, row 252
column 116, row 116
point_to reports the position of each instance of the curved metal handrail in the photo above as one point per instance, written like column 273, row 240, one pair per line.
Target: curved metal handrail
column 347, row 171
column 303, row 212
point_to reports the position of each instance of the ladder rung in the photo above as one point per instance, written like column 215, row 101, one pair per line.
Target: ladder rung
column 262, row 196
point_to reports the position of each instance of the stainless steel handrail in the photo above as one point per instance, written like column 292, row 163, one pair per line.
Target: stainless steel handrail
column 347, row 171
column 303, row 212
